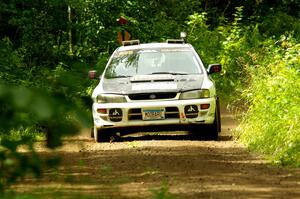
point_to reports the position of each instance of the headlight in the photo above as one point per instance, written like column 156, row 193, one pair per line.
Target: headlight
column 195, row 94
column 110, row 98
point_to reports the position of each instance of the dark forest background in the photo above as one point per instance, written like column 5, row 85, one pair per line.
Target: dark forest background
column 48, row 46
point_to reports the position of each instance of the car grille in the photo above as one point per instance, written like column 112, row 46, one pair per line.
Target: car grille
column 152, row 96
column 136, row 113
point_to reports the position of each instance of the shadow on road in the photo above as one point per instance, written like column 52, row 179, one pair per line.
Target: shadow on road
column 178, row 136
column 130, row 170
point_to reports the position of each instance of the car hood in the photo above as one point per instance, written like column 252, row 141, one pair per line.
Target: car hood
column 152, row 83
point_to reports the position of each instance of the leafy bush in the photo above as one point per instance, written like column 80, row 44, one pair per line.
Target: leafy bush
column 205, row 41
column 280, row 23
column 271, row 124
column 47, row 47
column 27, row 109
column 38, row 102
column 262, row 74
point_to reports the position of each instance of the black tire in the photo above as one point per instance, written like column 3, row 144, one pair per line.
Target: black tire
column 218, row 114
column 102, row 135
column 212, row 130
column 92, row 132
column 215, row 128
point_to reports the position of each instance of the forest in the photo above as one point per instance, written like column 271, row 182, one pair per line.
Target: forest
column 47, row 48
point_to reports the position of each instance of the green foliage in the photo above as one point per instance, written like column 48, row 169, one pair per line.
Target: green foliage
column 271, row 125
column 37, row 98
column 206, row 41
column 24, row 110
column 49, row 193
column 47, row 48
column 280, row 23
column 14, row 164
column 162, row 192
column 259, row 73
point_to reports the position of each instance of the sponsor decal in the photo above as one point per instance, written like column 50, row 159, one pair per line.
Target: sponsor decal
column 153, row 86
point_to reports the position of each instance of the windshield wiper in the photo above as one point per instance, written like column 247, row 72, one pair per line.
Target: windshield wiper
column 120, row 76
column 171, row 73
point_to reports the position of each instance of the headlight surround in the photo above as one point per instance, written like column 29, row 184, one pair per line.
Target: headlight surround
column 197, row 94
column 110, row 98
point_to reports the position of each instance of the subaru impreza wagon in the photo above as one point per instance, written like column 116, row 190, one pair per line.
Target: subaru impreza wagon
column 155, row 87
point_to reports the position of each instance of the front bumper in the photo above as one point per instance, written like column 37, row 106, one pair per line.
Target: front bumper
column 175, row 113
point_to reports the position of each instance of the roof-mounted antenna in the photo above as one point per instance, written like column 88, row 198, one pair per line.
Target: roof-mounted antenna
column 183, row 36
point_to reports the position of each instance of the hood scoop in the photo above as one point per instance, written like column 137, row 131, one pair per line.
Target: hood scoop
column 163, row 80
column 152, row 84
column 152, row 78
column 140, row 81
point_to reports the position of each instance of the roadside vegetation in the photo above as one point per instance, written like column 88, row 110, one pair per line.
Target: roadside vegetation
column 47, row 47
column 260, row 79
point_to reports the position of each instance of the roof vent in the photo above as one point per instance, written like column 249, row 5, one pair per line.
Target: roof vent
column 130, row 42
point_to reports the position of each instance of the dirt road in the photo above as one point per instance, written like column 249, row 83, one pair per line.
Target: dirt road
column 167, row 166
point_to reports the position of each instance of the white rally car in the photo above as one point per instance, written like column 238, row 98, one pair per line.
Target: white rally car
column 155, row 87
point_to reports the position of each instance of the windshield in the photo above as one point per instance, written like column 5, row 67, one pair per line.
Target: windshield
column 175, row 61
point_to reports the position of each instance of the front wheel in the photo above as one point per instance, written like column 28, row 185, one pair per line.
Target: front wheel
column 92, row 132
column 215, row 128
column 101, row 135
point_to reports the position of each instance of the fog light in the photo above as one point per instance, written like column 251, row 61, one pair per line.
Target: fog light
column 204, row 106
column 115, row 114
column 191, row 111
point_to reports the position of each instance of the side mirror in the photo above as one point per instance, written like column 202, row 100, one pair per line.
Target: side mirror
column 92, row 74
column 214, row 68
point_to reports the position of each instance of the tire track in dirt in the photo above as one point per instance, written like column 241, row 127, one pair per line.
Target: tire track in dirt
column 141, row 166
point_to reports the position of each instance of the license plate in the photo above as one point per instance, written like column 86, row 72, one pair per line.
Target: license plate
column 153, row 114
